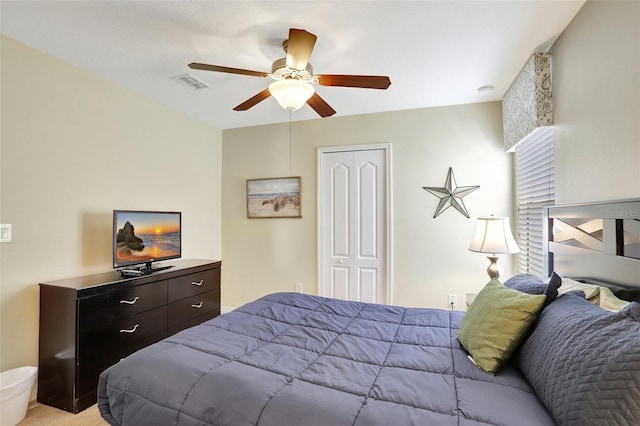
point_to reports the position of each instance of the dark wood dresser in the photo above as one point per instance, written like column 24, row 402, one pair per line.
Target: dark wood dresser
column 89, row 323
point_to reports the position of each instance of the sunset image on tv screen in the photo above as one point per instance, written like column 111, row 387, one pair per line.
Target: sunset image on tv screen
column 143, row 236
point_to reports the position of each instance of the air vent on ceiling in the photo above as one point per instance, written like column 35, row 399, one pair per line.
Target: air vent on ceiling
column 190, row 81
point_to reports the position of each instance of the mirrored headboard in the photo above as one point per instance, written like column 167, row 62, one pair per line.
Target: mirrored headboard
column 598, row 241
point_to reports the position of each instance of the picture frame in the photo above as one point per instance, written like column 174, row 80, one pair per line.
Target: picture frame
column 279, row 197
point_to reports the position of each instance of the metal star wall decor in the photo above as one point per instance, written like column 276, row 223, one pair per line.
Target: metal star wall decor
column 451, row 195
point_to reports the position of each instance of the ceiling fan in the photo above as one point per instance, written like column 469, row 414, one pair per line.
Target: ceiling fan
column 294, row 78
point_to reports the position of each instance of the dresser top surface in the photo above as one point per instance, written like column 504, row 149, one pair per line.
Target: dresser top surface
column 89, row 284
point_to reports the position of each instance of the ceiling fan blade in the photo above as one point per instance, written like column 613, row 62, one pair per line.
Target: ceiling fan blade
column 254, row 100
column 299, row 47
column 320, row 106
column 363, row 81
column 218, row 68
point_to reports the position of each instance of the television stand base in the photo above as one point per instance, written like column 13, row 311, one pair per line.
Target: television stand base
column 147, row 270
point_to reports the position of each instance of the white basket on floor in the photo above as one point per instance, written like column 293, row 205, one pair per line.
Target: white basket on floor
column 15, row 391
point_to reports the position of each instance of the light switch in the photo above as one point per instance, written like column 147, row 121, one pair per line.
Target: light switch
column 5, row 233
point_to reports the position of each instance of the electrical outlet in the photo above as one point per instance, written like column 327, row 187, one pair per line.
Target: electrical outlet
column 298, row 287
column 453, row 300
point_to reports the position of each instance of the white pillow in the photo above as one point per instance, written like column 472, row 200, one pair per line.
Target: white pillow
column 596, row 294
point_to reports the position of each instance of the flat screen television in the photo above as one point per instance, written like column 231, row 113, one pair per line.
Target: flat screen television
column 143, row 237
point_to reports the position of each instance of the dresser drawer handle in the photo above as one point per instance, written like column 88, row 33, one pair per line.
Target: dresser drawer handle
column 130, row 330
column 198, row 306
column 130, row 302
column 198, row 283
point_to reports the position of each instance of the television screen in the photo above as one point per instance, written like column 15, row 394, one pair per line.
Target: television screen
column 142, row 237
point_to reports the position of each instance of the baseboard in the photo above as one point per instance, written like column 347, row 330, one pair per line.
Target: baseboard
column 225, row 309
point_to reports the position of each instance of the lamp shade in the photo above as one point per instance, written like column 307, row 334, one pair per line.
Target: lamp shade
column 493, row 235
column 291, row 94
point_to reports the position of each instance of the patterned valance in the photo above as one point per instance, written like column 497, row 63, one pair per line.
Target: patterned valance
column 527, row 105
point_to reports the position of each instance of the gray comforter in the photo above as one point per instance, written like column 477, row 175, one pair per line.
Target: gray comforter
column 294, row 359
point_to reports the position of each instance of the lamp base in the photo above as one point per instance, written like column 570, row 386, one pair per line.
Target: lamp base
column 494, row 270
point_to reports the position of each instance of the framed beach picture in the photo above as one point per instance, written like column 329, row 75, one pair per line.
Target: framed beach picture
column 274, row 197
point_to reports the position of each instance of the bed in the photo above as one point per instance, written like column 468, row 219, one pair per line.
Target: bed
column 295, row 359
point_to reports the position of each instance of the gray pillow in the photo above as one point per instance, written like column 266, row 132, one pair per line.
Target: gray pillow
column 526, row 283
column 533, row 285
column 584, row 362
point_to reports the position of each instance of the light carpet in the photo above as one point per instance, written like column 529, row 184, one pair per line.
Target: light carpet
column 43, row 415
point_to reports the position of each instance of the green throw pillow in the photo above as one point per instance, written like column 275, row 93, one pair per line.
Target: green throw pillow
column 495, row 324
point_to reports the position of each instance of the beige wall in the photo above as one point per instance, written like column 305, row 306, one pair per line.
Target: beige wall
column 430, row 255
column 73, row 148
column 596, row 91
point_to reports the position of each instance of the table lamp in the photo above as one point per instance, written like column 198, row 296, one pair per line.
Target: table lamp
column 493, row 236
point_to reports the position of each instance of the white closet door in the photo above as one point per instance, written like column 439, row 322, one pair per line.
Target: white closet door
column 353, row 225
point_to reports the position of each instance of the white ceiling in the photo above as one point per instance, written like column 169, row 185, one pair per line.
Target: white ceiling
column 435, row 52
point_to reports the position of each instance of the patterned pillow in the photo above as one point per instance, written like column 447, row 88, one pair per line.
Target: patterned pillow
column 584, row 362
column 495, row 324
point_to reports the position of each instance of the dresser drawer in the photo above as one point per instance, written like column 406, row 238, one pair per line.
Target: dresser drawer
column 109, row 336
column 191, row 307
column 192, row 284
column 193, row 321
column 114, row 305
column 89, row 370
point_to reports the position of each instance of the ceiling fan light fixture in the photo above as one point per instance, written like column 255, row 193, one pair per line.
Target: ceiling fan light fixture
column 291, row 94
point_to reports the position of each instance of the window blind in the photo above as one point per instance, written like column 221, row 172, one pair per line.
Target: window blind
column 535, row 188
